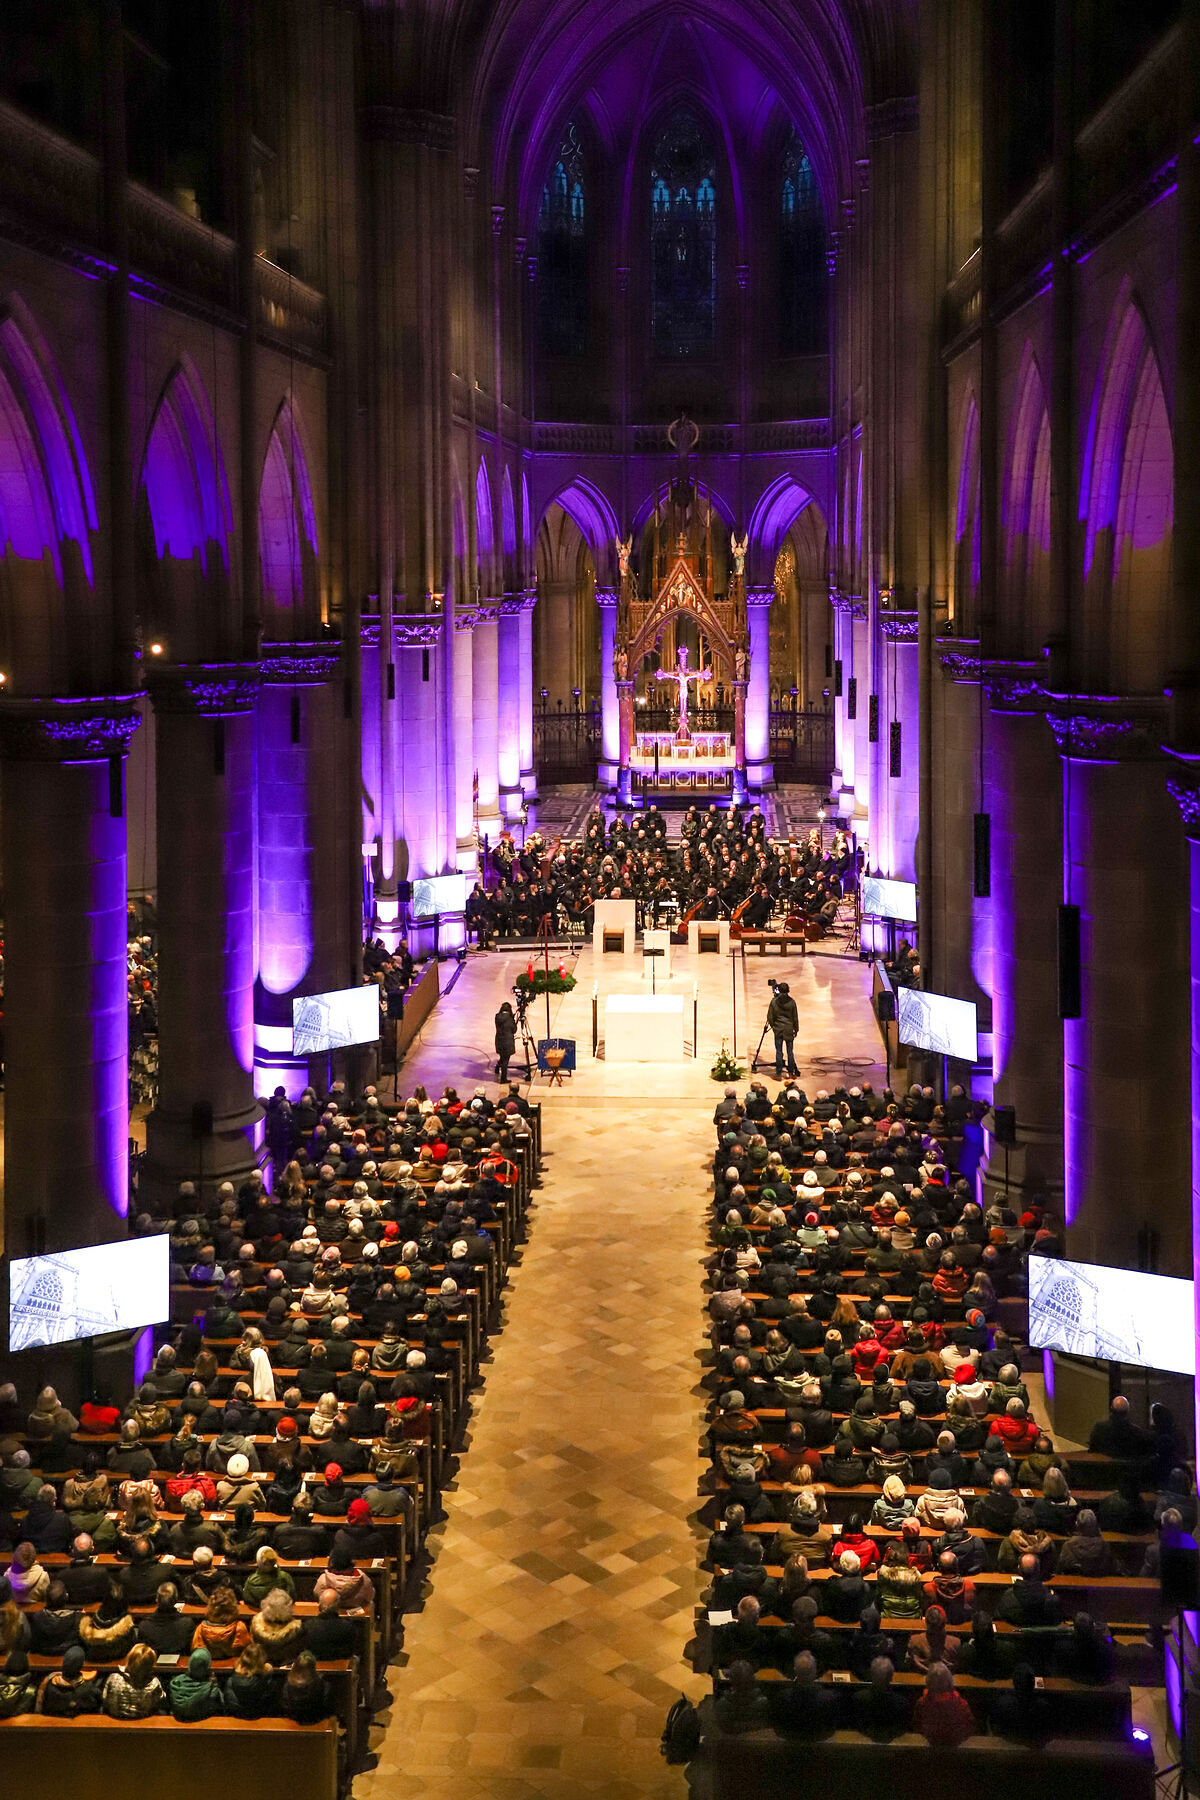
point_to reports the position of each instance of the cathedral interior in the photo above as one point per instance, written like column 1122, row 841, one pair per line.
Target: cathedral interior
column 415, row 411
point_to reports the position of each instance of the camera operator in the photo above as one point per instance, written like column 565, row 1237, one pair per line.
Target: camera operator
column 783, row 1021
column 506, row 1038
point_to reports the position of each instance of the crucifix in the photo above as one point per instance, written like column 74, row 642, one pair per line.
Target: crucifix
column 682, row 676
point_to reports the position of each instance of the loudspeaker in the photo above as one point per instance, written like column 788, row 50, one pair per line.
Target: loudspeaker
column 395, row 1006
column 1004, row 1126
column 1070, row 976
column 828, row 661
column 885, row 1007
column 895, row 760
column 983, row 855
column 873, row 719
column 202, row 1118
column 837, row 677
column 404, row 890
column 1179, row 1572
column 852, row 697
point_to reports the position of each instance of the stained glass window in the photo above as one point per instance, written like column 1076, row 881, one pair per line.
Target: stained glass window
column 803, row 277
column 562, row 254
column 683, row 240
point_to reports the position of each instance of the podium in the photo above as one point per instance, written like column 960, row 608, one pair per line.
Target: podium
column 704, row 938
column 655, row 939
column 643, row 1028
column 614, row 919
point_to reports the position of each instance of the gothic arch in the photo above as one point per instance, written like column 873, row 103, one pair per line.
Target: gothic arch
column 775, row 512
column 47, row 519
column 508, row 533
column 593, row 513
column 967, row 521
column 287, row 530
column 1127, row 492
column 485, row 543
column 1025, row 521
column 186, row 523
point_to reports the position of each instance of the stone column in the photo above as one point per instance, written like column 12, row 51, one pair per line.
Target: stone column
column 509, row 734
column 298, row 868
column 66, row 1113
column 1183, row 782
column 528, row 771
column 625, row 741
column 610, row 725
column 462, row 713
column 485, row 716
column 1126, row 1087
column 1023, row 788
column 759, row 772
column 842, row 785
column 862, row 708
column 204, row 720
column 899, row 794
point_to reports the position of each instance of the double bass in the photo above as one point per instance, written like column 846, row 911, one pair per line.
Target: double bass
column 735, row 927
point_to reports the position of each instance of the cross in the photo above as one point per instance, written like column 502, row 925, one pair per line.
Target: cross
column 682, row 676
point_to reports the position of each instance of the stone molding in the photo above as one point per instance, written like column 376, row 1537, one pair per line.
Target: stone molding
column 1107, row 728
column 410, row 125
column 300, row 665
column 608, row 596
column 205, row 690
column 851, row 606
column 417, row 631
column 68, row 730
column 900, row 627
column 760, row 596
column 889, row 118
column 1183, row 785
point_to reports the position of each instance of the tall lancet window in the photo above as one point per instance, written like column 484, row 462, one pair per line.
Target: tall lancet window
column 562, row 254
column 683, row 240
column 803, row 276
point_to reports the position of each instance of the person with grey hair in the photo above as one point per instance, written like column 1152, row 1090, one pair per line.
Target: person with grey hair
column 741, row 1705
column 941, row 1715
column 880, row 1710
column 804, row 1708
column 1085, row 1551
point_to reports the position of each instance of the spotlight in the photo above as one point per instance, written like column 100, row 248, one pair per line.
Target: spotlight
column 3, row 677
column 821, row 814
column 156, row 649
column 1140, row 1735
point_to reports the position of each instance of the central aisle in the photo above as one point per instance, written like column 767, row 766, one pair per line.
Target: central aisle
column 566, row 1573
column 562, row 1594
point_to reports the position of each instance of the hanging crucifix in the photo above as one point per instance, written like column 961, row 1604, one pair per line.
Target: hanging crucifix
column 682, row 677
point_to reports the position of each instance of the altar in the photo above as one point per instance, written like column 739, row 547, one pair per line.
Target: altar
column 705, row 763
column 643, row 1028
column 615, row 926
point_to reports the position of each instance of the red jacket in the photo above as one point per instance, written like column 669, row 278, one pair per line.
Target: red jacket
column 866, row 1353
column 1019, row 1435
column 865, row 1548
column 179, row 1485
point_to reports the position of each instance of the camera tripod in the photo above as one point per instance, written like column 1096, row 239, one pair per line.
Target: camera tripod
column 526, row 1043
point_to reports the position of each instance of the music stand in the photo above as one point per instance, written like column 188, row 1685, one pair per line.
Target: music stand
column 654, row 953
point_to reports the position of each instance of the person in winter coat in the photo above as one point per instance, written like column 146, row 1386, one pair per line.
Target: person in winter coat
column 196, row 1694
column 506, row 1039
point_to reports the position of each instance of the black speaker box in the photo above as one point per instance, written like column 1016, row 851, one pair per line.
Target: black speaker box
column 885, row 1007
column 1004, row 1125
column 1179, row 1572
column 395, row 1006
column 1070, row 976
column 983, row 855
column 404, row 890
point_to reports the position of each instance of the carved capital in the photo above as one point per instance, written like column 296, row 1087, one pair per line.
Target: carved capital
column 962, row 662
column 1183, row 785
column 607, row 596
column 410, row 125
column 300, row 665
column 497, row 220
column 66, row 731
column 1014, row 687
column 851, row 606
column 470, row 180
column 1107, row 728
column 205, row 690
column 900, row 627
column 417, row 631
column 369, row 634
column 760, row 596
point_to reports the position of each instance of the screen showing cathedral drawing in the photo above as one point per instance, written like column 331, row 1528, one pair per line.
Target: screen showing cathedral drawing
column 1115, row 1315
column 439, row 894
column 65, row 1295
column 938, row 1023
column 322, row 1022
column 890, row 899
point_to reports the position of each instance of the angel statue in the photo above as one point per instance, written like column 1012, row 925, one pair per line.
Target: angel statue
column 739, row 547
column 624, row 552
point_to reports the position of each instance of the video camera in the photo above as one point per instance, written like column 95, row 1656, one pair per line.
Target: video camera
column 522, row 997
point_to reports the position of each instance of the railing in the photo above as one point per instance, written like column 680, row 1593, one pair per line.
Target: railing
column 566, row 745
column 801, row 744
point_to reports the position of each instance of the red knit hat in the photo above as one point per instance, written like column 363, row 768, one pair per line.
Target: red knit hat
column 333, row 1472
column 963, row 1373
column 358, row 1512
column 286, row 1428
column 391, row 1229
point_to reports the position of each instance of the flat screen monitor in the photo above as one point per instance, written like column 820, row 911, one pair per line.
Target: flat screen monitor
column 935, row 1022
column 889, row 899
column 439, row 894
column 1116, row 1315
column 323, row 1022
column 69, row 1294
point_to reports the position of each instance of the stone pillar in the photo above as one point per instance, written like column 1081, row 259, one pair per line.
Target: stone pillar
column 759, row 772
column 298, row 868
column 1024, row 799
column 845, row 747
column 899, row 794
column 625, row 741
column 528, row 771
column 1183, row 782
column 1126, row 1087
column 862, row 708
column 204, row 719
column 509, row 733
column 610, row 725
column 739, row 742
column 66, row 1113
column 485, row 717
column 462, row 715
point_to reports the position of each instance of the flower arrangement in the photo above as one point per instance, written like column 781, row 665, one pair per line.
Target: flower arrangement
column 726, row 1067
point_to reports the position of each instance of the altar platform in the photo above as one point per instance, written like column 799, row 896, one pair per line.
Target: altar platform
column 704, row 764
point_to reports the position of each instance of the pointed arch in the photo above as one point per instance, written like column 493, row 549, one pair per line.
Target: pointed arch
column 526, row 523
column 47, row 515
column 508, row 533
column 1025, row 517
column 1127, row 506
column 485, row 541
column 593, row 513
column 287, row 527
column 185, row 521
column 967, row 548
column 776, row 510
